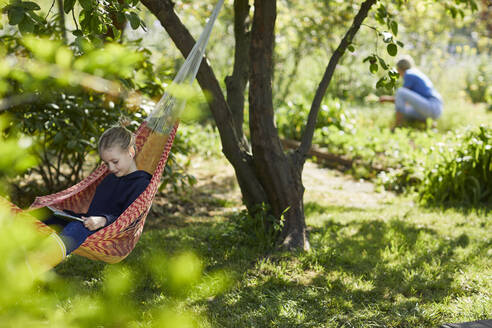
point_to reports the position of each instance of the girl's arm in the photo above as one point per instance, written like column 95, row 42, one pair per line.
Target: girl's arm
column 133, row 194
column 387, row 99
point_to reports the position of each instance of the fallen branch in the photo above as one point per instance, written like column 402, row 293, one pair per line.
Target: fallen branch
column 331, row 160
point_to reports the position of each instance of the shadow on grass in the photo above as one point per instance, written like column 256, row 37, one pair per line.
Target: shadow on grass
column 360, row 274
column 465, row 209
column 312, row 208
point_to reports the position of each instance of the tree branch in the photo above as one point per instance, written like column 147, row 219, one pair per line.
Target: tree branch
column 236, row 83
column 61, row 15
column 307, row 137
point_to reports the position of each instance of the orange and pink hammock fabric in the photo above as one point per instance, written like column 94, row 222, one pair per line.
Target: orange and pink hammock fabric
column 115, row 242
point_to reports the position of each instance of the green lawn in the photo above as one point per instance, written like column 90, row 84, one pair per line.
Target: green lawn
column 384, row 263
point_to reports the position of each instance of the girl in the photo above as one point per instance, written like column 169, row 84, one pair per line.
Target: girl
column 113, row 195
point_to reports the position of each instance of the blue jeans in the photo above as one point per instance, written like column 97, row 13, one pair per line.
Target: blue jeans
column 414, row 106
column 73, row 233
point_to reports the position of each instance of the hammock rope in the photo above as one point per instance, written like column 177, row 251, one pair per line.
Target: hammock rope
column 168, row 109
column 154, row 140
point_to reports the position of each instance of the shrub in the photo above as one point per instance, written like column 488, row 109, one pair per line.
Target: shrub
column 464, row 176
column 57, row 96
column 478, row 83
column 291, row 118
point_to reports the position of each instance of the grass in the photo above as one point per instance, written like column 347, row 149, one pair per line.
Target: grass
column 388, row 265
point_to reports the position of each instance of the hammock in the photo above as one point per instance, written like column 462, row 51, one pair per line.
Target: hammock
column 154, row 139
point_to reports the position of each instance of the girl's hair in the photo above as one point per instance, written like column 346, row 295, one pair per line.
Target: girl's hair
column 116, row 135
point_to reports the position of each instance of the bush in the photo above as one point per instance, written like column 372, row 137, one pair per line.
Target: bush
column 479, row 81
column 66, row 128
column 58, row 97
column 463, row 176
column 291, row 118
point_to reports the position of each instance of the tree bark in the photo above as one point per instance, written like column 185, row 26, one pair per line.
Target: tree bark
column 236, row 83
column 279, row 174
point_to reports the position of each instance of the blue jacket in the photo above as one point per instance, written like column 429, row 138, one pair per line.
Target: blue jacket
column 114, row 195
column 418, row 82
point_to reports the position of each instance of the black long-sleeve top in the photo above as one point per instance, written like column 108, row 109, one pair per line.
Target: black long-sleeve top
column 114, row 194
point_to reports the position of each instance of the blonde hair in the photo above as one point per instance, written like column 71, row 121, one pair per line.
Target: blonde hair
column 117, row 135
column 404, row 63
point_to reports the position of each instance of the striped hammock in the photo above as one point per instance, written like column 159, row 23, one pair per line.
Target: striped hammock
column 154, row 139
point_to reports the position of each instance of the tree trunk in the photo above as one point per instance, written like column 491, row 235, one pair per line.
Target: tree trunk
column 236, row 83
column 279, row 174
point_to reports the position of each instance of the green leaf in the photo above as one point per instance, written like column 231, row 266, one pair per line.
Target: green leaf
column 6, row 8
column 382, row 63
column 392, row 49
column 28, row 5
column 370, row 58
column 116, row 32
column 16, row 15
column 26, row 26
column 37, row 18
column 351, row 48
column 381, row 82
column 120, row 18
column 58, row 139
column 96, row 24
column 373, row 68
column 86, row 4
column 453, row 11
column 134, row 20
column 68, row 5
column 394, row 27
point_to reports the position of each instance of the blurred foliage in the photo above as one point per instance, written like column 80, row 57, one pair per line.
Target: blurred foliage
column 56, row 97
column 15, row 157
column 94, row 20
column 479, row 82
column 112, row 300
column 304, row 43
column 463, row 176
column 292, row 116
column 396, row 160
column 65, row 93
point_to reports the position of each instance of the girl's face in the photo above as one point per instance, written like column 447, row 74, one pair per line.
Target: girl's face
column 119, row 161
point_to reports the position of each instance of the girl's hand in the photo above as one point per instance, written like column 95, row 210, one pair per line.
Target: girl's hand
column 94, row 222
